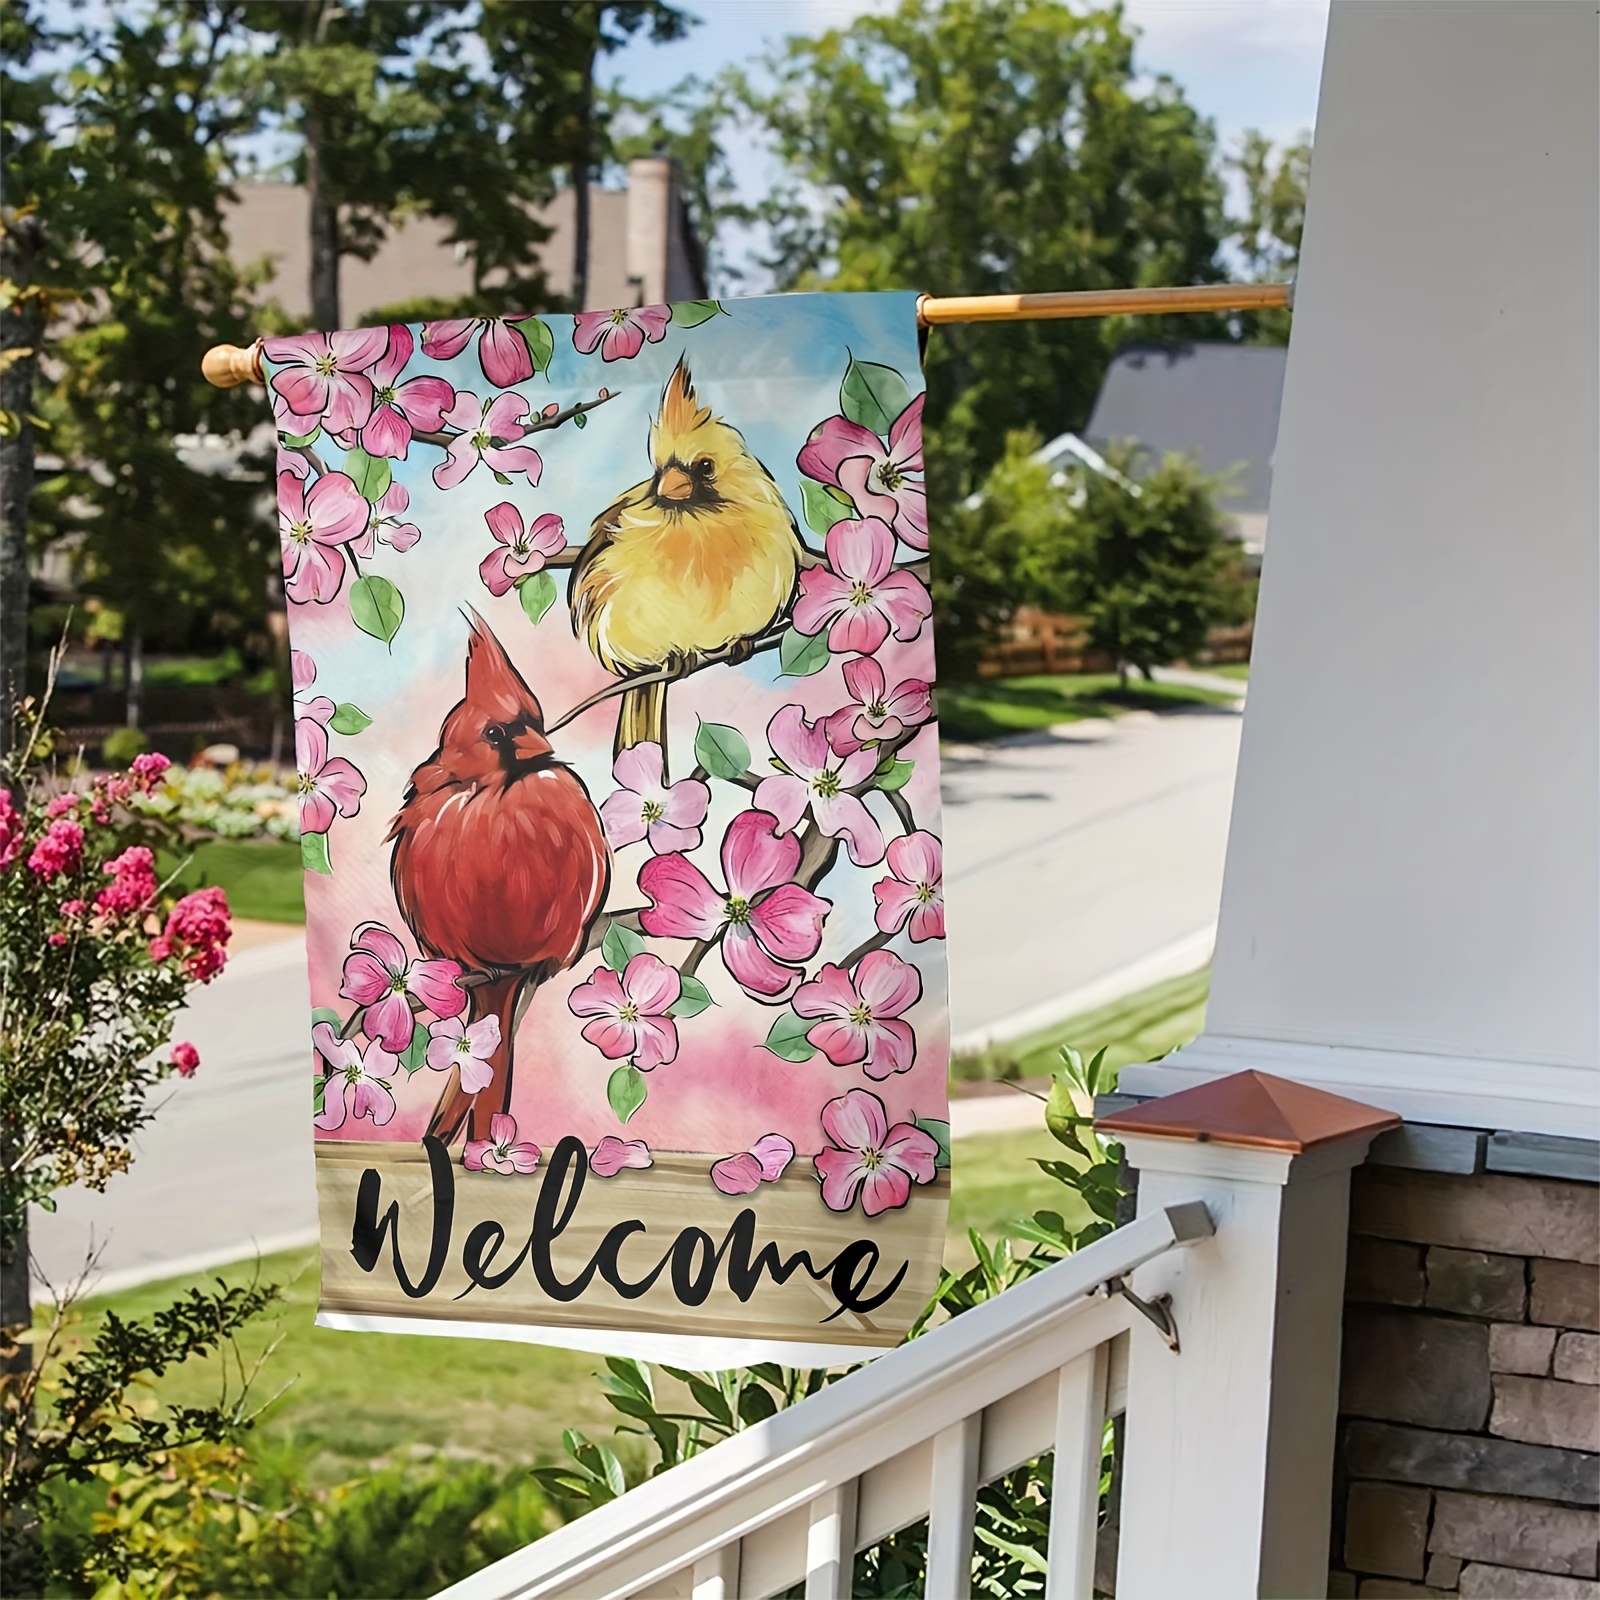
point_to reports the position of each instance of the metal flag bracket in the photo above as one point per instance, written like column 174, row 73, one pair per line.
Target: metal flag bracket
column 1157, row 1312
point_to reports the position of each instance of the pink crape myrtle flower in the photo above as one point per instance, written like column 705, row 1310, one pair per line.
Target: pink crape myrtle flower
column 866, row 1157
column 197, row 932
column 400, row 410
column 59, row 852
column 811, row 773
column 185, row 1059
column 356, row 1086
column 859, row 1021
column 312, row 527
column 879, row 713
column 384, row 524
column 859, row 597
column 881, row 482
column 303, row 673
column 643, row 807
column 327, row 785
column 763, row 1162
column 133, row 882
column 149, row 769
column 630, row 1011
column 503, row 353
column 489, row 433
column 379, row 975
column 500, row 1152
column 519, row 551
column 468, row 1045
column 767, row 924
column 11, row 831
column 322, row 378
column 612, row 1154
column 620, row 335
column 915, row 892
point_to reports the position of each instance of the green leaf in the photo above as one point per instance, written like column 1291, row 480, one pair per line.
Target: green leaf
column 620, row 946
column 501, row 478
column 939, row 1132
column 721, row 750
column 314, row 853
column 298, row 441
column 377, row 608
column 372, row 475
column 894, row 774
column 329, row 1015
column 824, row 506
column 691, row 313
column 541, row 342
column 580, row 419
column 416, row 1053
column 537, row 592
column 625, row 1090
column 799, row 654
column 692, row 999
column 349, row 718
column 873, row 395
column 320, row 1096
column 1061, row 1112
column 786, row 1038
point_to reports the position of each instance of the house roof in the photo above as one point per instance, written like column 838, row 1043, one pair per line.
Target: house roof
column 1215, row 402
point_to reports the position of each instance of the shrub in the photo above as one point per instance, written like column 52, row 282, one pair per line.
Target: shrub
column 121, row 745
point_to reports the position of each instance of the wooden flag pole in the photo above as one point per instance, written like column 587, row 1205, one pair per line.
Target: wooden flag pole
column 227, row 366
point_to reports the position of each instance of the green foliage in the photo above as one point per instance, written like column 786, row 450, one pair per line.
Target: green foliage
column 1268, row 235
column 1144, row 566
column 121, row 745
column 994, row 708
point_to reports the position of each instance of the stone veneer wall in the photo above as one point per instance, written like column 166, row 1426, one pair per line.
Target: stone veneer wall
column 1469, row 1439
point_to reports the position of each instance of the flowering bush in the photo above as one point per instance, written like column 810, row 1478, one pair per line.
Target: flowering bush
column 243, row 801
column 96, row 956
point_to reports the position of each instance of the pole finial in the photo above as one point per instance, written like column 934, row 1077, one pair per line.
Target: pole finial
column 226, row 366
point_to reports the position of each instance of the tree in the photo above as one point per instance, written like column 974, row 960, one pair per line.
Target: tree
column 1143, row 564
column 1268, row 233
column 976, row 146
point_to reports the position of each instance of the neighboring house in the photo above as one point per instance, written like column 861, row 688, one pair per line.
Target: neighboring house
column 642, row 248
column 1215, row 402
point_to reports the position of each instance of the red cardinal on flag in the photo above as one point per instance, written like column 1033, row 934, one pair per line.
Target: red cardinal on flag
column 500, row 861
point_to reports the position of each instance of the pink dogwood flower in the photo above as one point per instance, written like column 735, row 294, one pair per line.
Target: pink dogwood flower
column 323, row 380
column 519, row 551
column 356, row 1086
column 768, row 925
column 468, row 1045
column 881, row 481
column 620, row 335
column 489, row 433
column 669, row 815
column 878, row 714
column 859, row 1021
column 866, row 1157
column 763, row 1162
column 303, row 673
column 859, row 597
column 400, row 410
column 916, row 890
column 612, row 1154
column 312, row 527
column 500, row 1152
column 379, row 975
column 503, row 353
column 327, row 785
column 811, row 773
column 384, row 525
column 630, row 1011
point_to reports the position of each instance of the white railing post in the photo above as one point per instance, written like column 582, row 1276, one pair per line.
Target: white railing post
column 1227, row 1481
column 953, row 1509
column 831, row 1544
column 1075, row 1485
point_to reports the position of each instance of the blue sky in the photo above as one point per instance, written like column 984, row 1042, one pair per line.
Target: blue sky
column 1243, row 63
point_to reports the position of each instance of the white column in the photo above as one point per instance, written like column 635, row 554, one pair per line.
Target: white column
column 1227, row 1477
column 1411, row 906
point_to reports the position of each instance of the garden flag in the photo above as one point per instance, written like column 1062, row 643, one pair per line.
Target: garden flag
column 619, row 788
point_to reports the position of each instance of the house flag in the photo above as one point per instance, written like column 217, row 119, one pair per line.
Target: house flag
column 619, row 785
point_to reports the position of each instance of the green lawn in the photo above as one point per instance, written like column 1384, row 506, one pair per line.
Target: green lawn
column 1232, row 669
column 263, row 877
column 356, row 1399
column 1139, row 1027
column 972, row 712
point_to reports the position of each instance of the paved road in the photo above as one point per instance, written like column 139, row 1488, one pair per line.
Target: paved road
column 1079, row 864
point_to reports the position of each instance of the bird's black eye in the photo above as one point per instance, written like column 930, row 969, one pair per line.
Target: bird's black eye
column 495, row 733
column 705, row 466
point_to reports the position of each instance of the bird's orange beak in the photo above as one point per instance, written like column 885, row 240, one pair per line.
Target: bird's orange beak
column 673, row 483
column 531, row 745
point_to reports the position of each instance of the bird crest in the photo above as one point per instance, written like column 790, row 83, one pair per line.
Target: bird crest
column 681, row 413
column 495, row 689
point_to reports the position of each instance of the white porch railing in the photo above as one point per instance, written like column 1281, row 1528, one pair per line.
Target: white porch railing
column 912, row 1435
